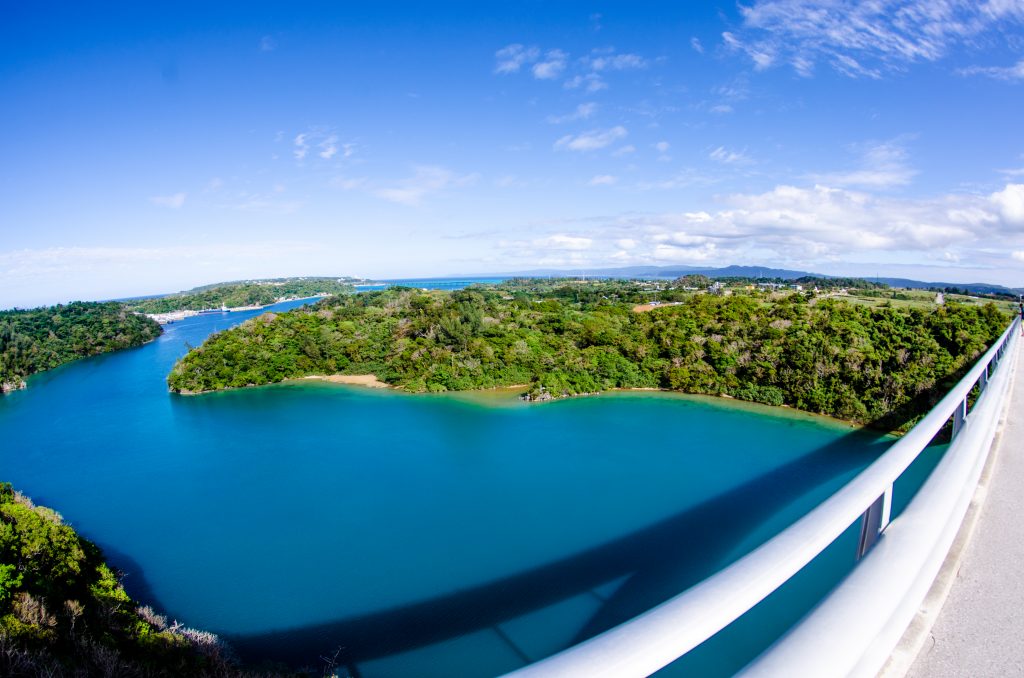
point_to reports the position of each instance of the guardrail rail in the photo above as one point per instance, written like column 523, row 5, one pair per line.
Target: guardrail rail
column 854, row 629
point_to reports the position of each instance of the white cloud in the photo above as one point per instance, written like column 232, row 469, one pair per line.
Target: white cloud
column 592, row 140
column 590, row 82
column 866, row 39
column 696, row 45
column 726, row 157
column 511, row 59
column 721, row 109
column 603, row 180
column 1015, row 72
column 174, row 201
column 552, row 66
column 583, row 112
column 624, row 150
column 215, row 184
column 662, row 146
column 818, row 228
column 426, row 180
column 1010, row 202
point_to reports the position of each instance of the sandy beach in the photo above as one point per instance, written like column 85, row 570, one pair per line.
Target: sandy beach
column 370, row 380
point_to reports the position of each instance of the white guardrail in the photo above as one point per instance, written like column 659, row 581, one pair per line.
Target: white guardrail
column 854, row 629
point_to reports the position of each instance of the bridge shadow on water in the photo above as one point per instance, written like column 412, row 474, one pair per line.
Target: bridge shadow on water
column 657, row 561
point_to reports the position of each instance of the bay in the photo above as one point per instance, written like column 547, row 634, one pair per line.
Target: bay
column 422, row 534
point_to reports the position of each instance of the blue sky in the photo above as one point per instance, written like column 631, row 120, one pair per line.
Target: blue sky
column 149, row 150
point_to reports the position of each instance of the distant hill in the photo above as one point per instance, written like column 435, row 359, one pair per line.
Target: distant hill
column 973, row 288
column 760, row 272
column 242, row 294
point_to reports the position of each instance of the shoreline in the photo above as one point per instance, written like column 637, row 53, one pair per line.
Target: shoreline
column 182, row 314
column 512, row 395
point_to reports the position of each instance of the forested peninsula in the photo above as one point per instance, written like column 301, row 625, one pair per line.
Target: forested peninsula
column 242, row 294
column 881, row 366
column 43, row 338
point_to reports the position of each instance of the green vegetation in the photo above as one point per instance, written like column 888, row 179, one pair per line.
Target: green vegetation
column 43, row 338
column 64, row 613
column 248, row 293
column 883, row 366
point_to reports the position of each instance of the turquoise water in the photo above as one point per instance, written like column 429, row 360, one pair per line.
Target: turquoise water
column 422, row 535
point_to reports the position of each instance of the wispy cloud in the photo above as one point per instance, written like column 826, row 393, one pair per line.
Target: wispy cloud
column 864, row 39
column 695, row 43
column 328, row 147
column 606, row 60
column 54, row 261
column 512, row 58
column 592, row 140
column 324, row 140
column 603, row 180
column 881, row 165
column 584, row 73
column 1015, row 72
column 726, row 157
column 426, row 180
column 552, row 65
column 349, row 183
column 590, row 82
column 301, row 146
column 267, row 44
column 583, row 112
column 173, row 201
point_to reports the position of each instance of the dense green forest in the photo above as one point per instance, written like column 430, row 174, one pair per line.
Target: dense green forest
column 248, row 293
column 883, row 366
column 63, row 611
column 43, row 338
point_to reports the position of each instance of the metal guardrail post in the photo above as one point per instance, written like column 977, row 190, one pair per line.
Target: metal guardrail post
column 959, row 416
column 874, row 521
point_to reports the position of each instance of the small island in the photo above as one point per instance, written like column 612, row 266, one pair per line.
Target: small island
column 811, row 349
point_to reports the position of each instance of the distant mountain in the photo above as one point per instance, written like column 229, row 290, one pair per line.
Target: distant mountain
column 676, row 271
column 758, row 272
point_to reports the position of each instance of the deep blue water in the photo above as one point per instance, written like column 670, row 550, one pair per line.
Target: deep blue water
column 424, row 535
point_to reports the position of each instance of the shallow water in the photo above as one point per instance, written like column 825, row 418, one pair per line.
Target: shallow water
column 423, row 535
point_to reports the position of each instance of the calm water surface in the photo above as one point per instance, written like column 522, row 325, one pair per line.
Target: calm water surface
column 422, row 535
